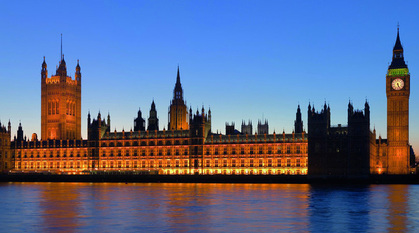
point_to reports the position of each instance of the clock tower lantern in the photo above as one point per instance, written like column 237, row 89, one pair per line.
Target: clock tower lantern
column 398, row 91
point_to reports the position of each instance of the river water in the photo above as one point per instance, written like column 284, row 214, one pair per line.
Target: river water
column 156, row 207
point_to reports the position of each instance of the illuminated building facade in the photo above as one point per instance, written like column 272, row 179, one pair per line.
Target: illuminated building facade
column 188, row 146
column 5, row 152
column 60, row 103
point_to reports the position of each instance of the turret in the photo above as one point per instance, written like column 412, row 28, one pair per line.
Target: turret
column 20, row 133
column 298, row 123
column 139, row 122
column 44, row 71
column 350, row 110
column 62, row 69
column 209, row 114
column 78, row 72
column 367, row 109
column 109, row 121
column 153, row 121
column 9, row 128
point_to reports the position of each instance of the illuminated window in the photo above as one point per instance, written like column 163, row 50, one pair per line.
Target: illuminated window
column 288, row 162
column 207, row 163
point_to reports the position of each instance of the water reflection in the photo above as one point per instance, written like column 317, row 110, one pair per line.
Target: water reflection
column 397, row 208
column 207, row 207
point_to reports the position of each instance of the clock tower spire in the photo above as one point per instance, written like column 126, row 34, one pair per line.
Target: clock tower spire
column 398, row 91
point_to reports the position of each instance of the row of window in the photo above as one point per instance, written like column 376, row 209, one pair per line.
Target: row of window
column 144, row 143
column 143, row 153
column 255, row 163
column 163, row 164
column 53, row 154
column 51, row 165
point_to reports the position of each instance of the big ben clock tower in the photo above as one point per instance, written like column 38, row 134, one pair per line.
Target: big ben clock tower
column 398, row 91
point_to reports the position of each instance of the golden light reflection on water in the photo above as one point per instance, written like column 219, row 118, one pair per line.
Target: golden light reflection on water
column 397, row 208
column 206, row 207
column 180, row 207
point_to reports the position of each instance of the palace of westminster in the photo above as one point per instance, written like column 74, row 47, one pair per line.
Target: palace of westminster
column 189, row 146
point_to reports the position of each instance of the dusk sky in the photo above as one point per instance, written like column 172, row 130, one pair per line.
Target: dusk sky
column 247, row 60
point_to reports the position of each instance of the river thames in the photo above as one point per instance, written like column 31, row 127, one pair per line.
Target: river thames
column 151, row 207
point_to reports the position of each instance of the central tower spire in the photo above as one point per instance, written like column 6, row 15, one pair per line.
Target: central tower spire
column 178, row 91
column 178, row 114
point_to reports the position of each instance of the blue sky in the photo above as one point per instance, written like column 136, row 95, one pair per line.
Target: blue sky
column 244, row 59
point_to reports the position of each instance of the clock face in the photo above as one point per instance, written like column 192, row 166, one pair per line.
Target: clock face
column 397, row 84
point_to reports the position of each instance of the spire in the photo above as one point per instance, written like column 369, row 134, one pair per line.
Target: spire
column 178, row 92
column 178, row 75
column 398, row 58
column 398, row 45
column 153, row 105
column 61, row 57
column 44, row 64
